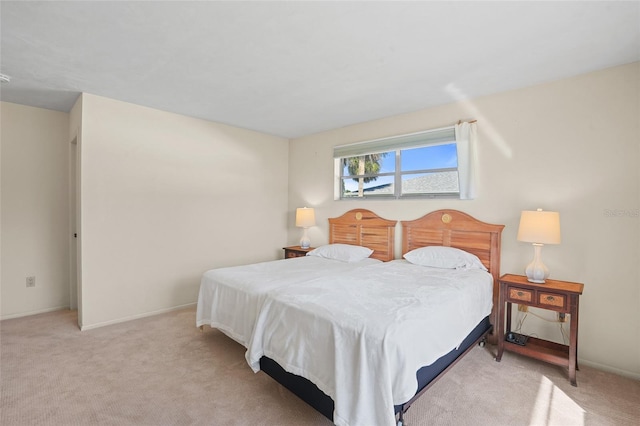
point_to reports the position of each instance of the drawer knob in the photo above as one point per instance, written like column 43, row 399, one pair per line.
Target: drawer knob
column 520, row 293
column 550, row 298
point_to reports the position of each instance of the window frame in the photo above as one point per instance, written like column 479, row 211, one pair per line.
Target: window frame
column 395, row 145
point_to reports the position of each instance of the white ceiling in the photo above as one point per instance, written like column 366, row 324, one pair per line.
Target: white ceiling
column 297, row 68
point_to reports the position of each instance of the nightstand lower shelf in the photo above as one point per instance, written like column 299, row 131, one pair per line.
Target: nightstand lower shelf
column 544, row 350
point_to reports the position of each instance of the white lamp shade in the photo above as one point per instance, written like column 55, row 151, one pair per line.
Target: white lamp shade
column 539, row 227
column 305, row 217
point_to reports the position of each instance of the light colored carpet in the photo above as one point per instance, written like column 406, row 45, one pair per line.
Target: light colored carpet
column 163, row 371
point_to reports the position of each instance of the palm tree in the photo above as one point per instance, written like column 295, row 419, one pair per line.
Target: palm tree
column 364, row 165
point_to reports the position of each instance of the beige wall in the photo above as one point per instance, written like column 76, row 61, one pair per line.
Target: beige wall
column 570, row 146
column 166, row 197
column 35, row 230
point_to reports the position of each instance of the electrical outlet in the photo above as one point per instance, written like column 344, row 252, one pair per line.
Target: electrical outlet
column 523, row 308
column 562, row 317
column 31, row 281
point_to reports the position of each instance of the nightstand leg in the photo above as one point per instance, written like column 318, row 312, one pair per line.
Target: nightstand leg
column 573, row 341
column 500, row 331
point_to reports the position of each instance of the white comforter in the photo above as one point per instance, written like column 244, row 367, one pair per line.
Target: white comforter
column 230, row 298
column 362, row 336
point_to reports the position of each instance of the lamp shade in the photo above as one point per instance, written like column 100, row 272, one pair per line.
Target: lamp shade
column 539, row 227
column 305, row 217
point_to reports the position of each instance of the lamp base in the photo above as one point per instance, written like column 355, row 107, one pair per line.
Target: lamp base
column 536, row 271
column 305, row 242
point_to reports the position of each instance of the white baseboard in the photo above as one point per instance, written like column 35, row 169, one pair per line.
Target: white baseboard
column 134, row 317
column 609, row 369
column 27, row 314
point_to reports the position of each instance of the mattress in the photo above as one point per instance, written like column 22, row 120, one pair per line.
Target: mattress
column 230, row 298
column 361, row 336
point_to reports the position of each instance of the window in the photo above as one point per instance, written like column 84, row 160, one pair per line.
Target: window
column 421, row 164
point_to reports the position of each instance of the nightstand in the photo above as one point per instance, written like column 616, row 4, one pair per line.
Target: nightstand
column 559, row 296
column 295, row 251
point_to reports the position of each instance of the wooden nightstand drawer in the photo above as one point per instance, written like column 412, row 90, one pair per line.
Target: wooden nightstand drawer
column 552, row 299
column 295, row 251
column 520, row 294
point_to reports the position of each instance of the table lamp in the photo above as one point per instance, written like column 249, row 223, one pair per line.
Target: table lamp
column 539, row 228
column 305, row 218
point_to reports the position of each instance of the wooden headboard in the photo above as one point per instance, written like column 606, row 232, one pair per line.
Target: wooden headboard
column 364, row 228
column 454, row 228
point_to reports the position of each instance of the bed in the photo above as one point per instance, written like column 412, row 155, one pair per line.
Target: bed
column 226, row 292
column 361, row 347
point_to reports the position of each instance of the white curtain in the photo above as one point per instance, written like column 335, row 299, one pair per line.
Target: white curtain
column 466, row 141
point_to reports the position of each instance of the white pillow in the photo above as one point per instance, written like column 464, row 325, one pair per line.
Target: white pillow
column 444, row 257
column 343, row 252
